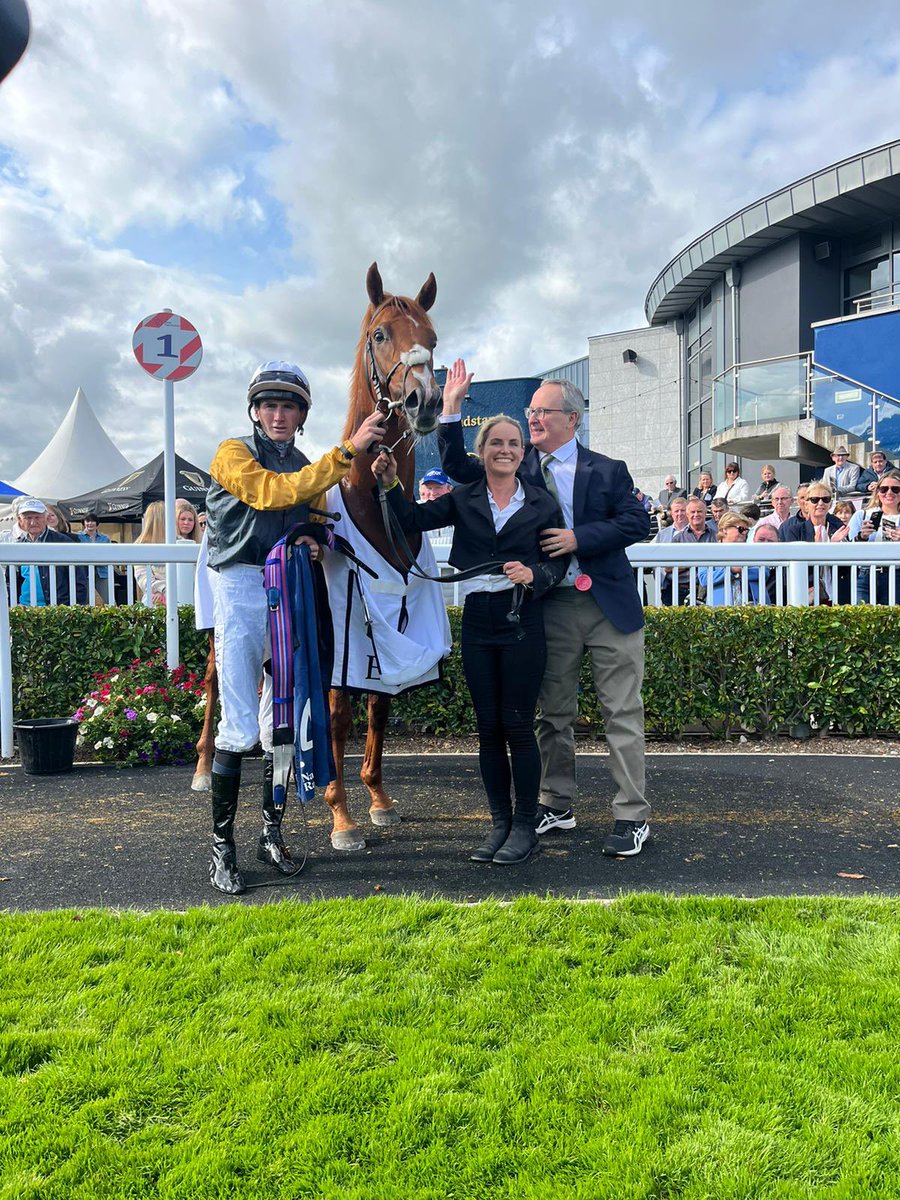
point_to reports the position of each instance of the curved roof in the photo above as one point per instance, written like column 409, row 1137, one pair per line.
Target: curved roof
column 848, row 196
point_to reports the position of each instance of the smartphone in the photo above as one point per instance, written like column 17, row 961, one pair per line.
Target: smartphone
column 874, row 517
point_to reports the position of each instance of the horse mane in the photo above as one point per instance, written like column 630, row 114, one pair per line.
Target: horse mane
column 360, row 397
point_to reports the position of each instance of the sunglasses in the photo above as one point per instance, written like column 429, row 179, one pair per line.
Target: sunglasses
column 819, row 499
column 740, row 528
column 895, row 491
column 731, row 470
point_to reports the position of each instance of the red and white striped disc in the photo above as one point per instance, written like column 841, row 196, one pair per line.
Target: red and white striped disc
column 167, row 346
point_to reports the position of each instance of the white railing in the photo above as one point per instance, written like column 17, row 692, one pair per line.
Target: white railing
column 794, row 584
column 74, row 555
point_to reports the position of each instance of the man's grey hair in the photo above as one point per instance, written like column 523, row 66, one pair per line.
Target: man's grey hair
column 782, row 492
column 572, row 398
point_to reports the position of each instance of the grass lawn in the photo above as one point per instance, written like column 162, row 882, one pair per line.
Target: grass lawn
column 655, row 1048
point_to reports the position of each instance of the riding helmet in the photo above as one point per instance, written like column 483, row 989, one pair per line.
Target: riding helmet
column 272, row 379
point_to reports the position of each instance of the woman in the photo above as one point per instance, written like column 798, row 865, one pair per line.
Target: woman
column 153, row 532
column 705, row 489
column 499, row 517
column 733, row 530
column 820, row 525
column 768, row 484
column 187, row 524
column 878, row 522
column 57, row 521
column 733, row 490
column 89, row 533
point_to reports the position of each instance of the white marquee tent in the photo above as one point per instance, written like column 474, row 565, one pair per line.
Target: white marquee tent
column 80, row 456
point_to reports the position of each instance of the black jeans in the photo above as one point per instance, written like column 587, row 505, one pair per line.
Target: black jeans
column 504, row 675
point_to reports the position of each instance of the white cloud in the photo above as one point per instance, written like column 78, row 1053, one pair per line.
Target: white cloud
column 544, row 166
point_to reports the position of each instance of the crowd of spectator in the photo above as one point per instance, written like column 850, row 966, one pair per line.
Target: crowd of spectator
column 846, row 504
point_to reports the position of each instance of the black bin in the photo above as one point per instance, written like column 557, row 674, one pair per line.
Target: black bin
column 47, row 745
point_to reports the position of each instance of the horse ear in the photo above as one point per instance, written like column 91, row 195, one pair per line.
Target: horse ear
column 427, row 292
column 374, row 286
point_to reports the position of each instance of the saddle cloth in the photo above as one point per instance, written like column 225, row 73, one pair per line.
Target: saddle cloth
column 390, row 633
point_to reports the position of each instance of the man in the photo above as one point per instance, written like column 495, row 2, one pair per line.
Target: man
column 262, row 486
column 788, row 531
column 434, row 483
column 32, row 521
column 696, row 529
column 595, row 608
column 764, row 533
column 668, row 494
column 717, row 510
column 89, row 534
column 842, row 478
column 869, row 478
column 663, row 575
column 781, row 509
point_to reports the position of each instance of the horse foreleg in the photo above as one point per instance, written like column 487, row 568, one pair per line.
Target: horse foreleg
column 202, row 780
column 383, row 811
column 345, row 833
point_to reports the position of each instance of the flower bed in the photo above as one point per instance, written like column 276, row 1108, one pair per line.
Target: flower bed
column 143, row 714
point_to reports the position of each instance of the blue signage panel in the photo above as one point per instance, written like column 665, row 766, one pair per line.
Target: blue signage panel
column 866, row 349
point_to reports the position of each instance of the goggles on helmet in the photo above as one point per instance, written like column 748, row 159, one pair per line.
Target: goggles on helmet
column 271, row 380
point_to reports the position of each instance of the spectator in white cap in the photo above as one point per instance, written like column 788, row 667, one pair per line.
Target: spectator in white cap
column 32, row 519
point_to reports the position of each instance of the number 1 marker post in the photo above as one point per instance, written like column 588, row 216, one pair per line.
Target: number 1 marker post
column 168, row 347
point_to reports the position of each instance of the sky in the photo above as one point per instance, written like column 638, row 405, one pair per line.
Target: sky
column 243, row 164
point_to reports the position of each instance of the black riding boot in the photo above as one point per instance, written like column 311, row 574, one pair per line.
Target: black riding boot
column 501, row 819
column 522, row 841
column 223, row 872
column 271, row 848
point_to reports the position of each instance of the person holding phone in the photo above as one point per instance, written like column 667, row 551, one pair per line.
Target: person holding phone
column 879, row 521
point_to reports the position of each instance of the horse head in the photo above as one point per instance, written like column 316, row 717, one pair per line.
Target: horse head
column 398, row 342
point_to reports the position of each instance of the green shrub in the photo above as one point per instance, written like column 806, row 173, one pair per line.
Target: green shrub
column 720, row 670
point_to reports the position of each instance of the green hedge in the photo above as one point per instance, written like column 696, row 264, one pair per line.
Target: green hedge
column 720, row 670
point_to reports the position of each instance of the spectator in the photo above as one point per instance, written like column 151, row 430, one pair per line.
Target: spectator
column 842, row 478
column 781, row 509
column 643, row 499
column 663, row 575
column 705, row 489
column 434, row 483
column 696, row 529
column 153, row 532
column 768, row 484
column 764, row 534
column 670, row 492
column 57, row 520
column 821, row 526
column 187, row 527
column 717, row 510
column 90, row 533
column 845, row 510
column 734, row 490
column 878, row 522
column 787, row 531
column 201, row 522
column 32, row 518
column 733, row 530
column 751, row 512
column 878, row 464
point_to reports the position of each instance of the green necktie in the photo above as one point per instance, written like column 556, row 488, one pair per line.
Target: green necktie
column 548, row 476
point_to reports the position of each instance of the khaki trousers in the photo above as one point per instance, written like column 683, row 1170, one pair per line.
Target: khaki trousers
column 574, row 624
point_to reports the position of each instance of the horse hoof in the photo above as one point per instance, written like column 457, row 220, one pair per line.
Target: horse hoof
column 201, row 783
column 382, row 817
column 347, row 839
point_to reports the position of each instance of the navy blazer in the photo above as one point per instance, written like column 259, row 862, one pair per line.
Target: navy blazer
column 475, row 540
column 607, row 518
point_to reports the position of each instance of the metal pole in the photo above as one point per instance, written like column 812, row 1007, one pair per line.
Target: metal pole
column 6, row 680
column 172, row 648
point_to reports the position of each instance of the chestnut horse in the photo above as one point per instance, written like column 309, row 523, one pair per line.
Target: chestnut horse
column 393, row 372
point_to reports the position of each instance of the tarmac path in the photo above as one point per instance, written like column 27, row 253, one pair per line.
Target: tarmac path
column 722, row 824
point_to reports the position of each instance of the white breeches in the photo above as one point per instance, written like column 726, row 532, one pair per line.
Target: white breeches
column 240, row 640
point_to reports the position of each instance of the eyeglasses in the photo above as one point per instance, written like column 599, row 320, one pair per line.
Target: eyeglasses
column 819, row 499
column 895, row 491
column 740, row 529
column 731, row 470
column 540, row 413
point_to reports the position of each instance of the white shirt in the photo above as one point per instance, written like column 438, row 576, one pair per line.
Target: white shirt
column 565, row 459
column 496, row 583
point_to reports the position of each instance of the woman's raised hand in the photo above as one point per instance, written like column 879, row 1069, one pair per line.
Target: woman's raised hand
column 455, row 388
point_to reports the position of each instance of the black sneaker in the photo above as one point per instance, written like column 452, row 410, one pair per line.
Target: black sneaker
column 552, row 818
column 626, row 839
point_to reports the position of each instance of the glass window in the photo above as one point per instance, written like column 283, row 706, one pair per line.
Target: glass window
column 867, row 278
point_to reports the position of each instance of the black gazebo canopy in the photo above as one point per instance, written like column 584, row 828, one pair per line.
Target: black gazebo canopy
column 126, row 499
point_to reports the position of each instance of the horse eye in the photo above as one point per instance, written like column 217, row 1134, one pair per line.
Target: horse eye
column 378, row 336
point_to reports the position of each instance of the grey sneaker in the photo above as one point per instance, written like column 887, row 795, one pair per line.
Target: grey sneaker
column 552, row 818
column 626, row 839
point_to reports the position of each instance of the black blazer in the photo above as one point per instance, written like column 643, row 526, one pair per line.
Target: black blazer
column 801, row 529
column 607, row 518
column 475, row 540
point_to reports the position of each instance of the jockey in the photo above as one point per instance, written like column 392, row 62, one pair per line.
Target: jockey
column 261, row 486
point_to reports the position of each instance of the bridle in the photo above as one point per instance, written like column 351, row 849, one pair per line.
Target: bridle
column 380, row 383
